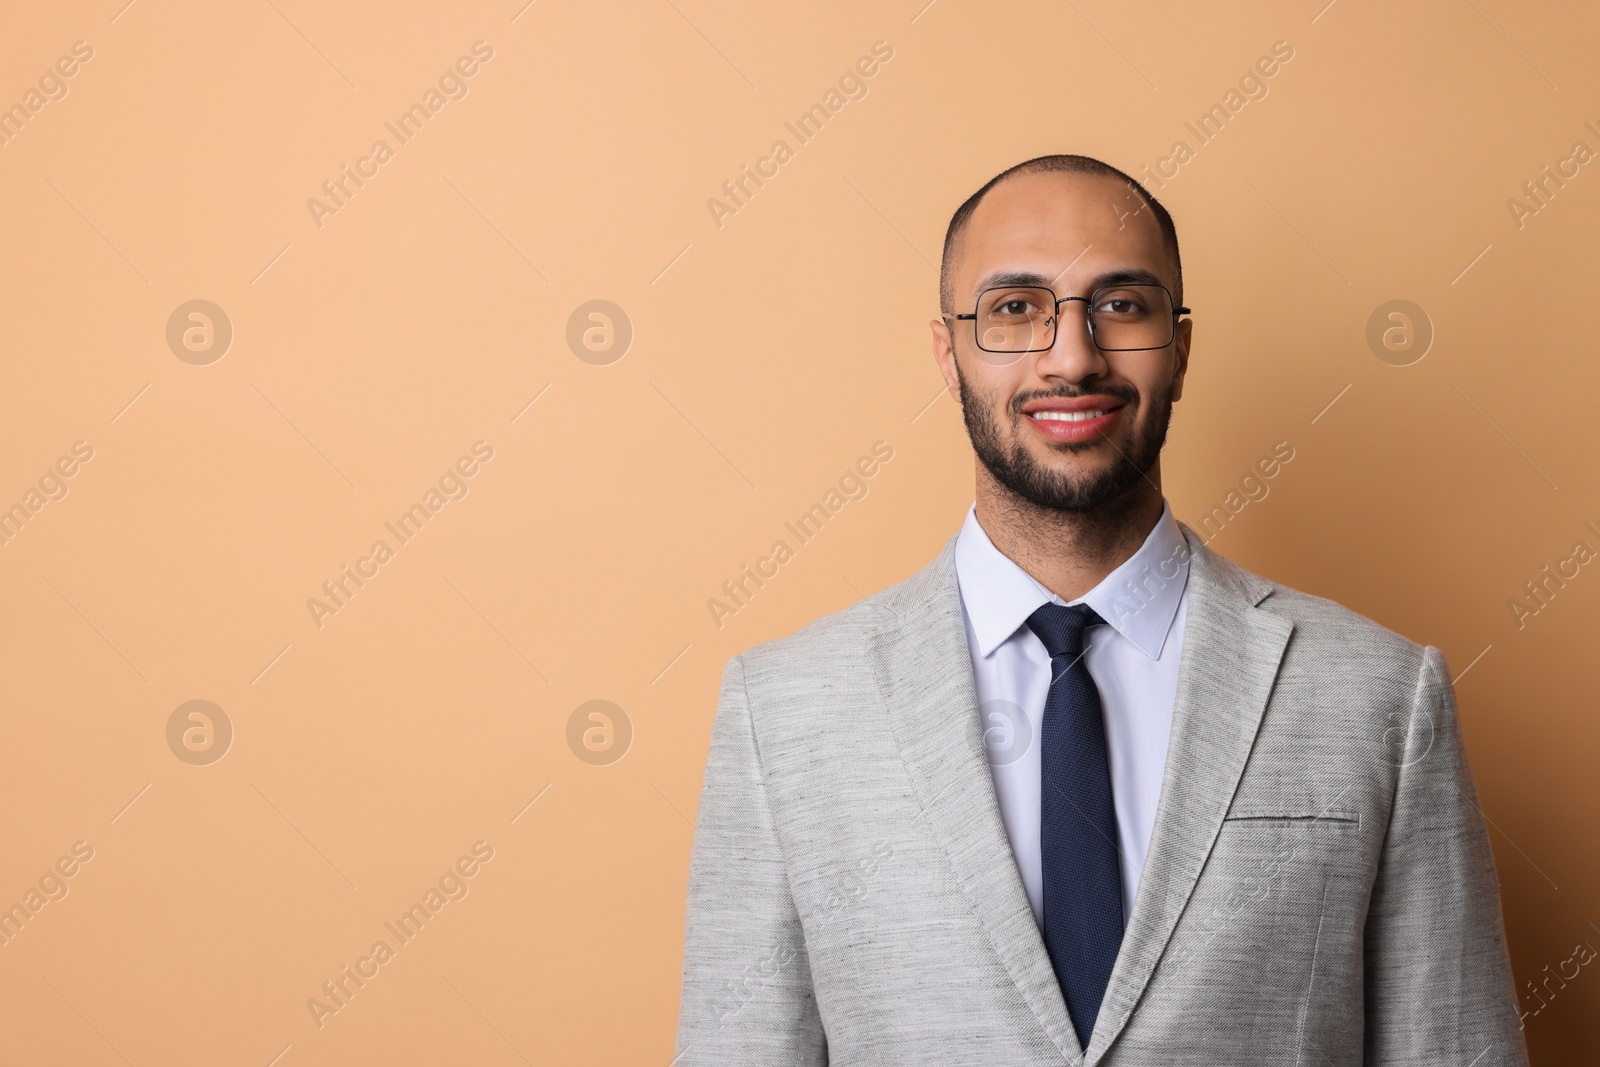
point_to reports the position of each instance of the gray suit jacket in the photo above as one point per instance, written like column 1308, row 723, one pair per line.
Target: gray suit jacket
column 1319, row 889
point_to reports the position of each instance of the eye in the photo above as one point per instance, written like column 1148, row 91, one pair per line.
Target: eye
column 1120, row 305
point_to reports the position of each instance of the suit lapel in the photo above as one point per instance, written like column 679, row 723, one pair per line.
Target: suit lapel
column 924, row 670
column 1231, row 653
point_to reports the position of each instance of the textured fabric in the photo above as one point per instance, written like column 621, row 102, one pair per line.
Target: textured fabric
column 1133, row 660
column 1078, row 821
column 1319, row 888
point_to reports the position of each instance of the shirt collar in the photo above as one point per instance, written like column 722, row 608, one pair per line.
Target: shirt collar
column 1139, row 599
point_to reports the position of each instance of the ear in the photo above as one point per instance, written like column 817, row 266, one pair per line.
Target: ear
column 944, row 355
column 1181, row 340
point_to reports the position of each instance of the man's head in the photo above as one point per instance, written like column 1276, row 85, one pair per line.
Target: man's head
column 1072, row 225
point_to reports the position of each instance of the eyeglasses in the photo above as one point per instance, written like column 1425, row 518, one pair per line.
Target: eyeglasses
column 1011, row 320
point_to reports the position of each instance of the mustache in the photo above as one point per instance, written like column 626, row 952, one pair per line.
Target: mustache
column 1115, row 390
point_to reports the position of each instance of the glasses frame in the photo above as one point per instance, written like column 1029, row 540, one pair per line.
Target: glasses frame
column 1088, row 317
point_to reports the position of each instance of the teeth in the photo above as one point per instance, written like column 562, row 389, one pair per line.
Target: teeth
column 1068, row 416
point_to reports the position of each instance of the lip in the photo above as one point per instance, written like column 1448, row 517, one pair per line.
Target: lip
column 1077, row 430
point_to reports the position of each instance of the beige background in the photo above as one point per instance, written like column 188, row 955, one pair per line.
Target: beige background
column 371, row 352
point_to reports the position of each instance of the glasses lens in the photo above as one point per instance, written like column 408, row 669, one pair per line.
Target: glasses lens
column 1016, row 320
column 1132, row 317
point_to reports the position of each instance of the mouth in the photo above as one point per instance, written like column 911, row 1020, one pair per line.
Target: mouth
column 1078, row 419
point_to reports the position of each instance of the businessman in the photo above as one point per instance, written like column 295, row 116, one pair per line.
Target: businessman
column 1081, row 790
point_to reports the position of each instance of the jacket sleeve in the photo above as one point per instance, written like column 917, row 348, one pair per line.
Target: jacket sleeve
column 747, row 994
column 1439, row 987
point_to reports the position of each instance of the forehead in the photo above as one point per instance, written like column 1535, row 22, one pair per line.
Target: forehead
column 1050, row 223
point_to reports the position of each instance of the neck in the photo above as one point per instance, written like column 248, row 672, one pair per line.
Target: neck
column 1068, row 552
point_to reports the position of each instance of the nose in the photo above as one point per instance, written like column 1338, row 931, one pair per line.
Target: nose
column 1073, row 355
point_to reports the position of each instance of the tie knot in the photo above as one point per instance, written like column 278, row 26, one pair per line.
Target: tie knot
column 1061, row 627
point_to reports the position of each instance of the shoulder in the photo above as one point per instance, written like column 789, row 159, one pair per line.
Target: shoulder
column 1333, row 644
column 833, row 650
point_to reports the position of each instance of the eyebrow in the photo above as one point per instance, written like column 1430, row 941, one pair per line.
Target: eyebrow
column 1119, row 276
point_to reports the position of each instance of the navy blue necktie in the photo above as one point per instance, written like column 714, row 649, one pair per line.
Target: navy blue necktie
column 1078, row 826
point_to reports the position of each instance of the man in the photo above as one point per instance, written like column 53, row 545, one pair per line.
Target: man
column 1081, row 790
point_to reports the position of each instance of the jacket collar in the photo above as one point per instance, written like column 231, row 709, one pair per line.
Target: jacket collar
column 1231, row 652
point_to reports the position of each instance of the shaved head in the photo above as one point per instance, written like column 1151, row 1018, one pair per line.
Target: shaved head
column 1138, row 202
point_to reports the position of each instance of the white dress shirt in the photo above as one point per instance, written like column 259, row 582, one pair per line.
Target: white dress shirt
column 1133, row 661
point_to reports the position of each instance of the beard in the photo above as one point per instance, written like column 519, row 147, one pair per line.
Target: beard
column 1014, row 467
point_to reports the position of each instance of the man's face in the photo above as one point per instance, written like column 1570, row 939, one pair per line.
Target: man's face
column 1073, row 233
